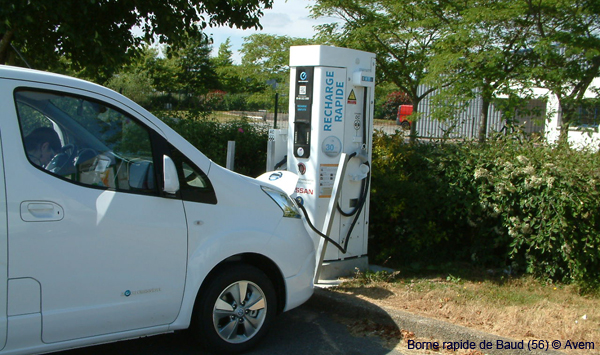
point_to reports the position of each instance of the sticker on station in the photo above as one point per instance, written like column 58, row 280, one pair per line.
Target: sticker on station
column 352, row 98
column 327, row 174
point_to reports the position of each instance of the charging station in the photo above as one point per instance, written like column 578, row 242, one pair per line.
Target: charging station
column 329, row 142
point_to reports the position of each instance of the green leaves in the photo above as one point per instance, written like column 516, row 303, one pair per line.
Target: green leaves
column 528, row 204
column 465, row 49
column 266, row 58
column 211, row 137
column 401, row 33
column 44, row 30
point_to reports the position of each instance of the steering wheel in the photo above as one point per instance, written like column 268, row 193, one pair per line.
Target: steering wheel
column 63, row 162
column 71, row 151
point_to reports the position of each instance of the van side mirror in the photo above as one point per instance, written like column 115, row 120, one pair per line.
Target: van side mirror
column 171, row 180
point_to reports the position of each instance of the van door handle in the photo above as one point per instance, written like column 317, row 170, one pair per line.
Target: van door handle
column 40, row 211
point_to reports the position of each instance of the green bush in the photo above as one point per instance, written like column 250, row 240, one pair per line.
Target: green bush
column 547, row 199
column 508, row 203
column 422, row 209
column 233, row 102
column 211, row 137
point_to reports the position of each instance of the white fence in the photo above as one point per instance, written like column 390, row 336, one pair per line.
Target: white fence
column 466, row 122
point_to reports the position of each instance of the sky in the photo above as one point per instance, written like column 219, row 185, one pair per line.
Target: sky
column 285, row 18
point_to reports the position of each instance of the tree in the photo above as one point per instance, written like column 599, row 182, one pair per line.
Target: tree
column 566, row 43
column 144, row 77
column 164, row 71
column 153, row 78
column 224, row 56
column 265, row 66
column 97, row 34
column 484, row 51
column 266, row 57
column 197, row 74
column 496, row 44
column 136, row 85
column 475, row 47
column 228, row 73
column 401, row 33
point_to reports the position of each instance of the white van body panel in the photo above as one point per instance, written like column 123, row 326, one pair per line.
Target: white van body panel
column 82, row 265
column 3, row 252
column 210, row 244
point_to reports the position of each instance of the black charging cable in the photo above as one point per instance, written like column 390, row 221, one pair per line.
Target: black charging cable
column 355, row 213
column 280, row 164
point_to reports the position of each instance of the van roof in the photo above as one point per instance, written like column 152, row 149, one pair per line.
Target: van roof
column 25, row 74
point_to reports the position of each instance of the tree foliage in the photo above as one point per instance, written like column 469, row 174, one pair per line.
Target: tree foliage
column 505, row 47
column 189, row 76
column 230, row 76
column 265, row 66
column 98, row 34
column 474, row 48
column 484, row 51
column 197, row 74
column 135, row 84
column 152, row 79
column 566, row 46
column 401, row 33
column 266, row 58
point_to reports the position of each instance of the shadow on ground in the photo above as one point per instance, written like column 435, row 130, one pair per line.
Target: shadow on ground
column 323, row 325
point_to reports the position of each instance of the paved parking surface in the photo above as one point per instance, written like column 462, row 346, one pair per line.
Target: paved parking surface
column 309, row 329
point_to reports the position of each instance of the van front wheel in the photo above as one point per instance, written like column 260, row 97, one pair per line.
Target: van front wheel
column 236, row 309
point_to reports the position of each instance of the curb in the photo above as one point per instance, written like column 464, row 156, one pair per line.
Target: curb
column 423, row 327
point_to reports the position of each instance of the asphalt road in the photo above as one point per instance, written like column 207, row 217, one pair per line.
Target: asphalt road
column 313, row 328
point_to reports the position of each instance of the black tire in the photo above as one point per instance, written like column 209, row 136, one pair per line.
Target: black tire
column 405, row 125
column 236, row 309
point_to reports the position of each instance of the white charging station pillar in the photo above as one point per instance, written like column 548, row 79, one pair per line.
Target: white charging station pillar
column 331, row 112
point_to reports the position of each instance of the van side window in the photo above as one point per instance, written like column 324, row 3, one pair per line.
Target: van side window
column 193, row 178
column 195, row 185
column 85, row 141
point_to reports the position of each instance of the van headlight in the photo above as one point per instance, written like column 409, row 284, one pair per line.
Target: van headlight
column 283, row 201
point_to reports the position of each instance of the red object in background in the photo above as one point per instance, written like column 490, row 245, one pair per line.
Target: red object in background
column 403, row 112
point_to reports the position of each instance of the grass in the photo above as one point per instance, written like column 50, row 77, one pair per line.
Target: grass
column 229, row 116
column 222, row 116
column 522, row 307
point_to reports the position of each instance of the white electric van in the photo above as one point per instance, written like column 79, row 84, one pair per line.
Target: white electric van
column 112, row 226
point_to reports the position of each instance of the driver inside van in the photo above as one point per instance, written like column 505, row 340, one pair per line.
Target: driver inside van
column 41, row 145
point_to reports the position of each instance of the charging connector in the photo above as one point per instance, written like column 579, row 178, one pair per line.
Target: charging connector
column 355, row 212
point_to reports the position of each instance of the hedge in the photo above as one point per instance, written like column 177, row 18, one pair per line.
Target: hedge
column 211, row 136
column 511, row 203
